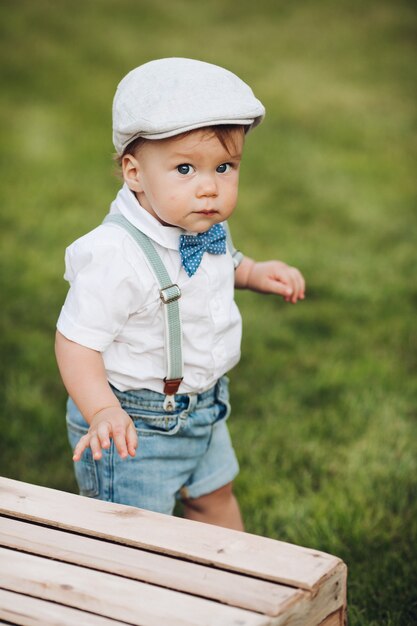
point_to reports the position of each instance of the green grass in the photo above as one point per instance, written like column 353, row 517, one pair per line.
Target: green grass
column 324, row 398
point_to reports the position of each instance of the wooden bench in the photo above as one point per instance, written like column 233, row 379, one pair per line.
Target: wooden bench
column 67, row 559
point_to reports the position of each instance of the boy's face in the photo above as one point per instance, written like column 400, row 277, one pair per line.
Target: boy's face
column 190, row 181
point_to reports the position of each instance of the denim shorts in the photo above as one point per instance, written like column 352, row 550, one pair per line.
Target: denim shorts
column 183, row 454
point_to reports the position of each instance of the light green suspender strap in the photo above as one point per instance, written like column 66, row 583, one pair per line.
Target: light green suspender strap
column 237, row 256
column 170, row 294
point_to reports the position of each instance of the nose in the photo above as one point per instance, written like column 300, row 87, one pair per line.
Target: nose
column 207, row 186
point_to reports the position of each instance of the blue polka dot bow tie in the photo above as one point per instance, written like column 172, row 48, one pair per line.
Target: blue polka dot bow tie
column 192, row 247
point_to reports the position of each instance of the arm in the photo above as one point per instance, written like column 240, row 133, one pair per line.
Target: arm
column 84, row 377
column 271, row 277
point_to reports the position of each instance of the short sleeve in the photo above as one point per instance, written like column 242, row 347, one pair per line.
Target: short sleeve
column 104, row 291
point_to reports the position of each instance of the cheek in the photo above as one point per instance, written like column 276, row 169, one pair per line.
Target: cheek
column 173, row 199
column 176, row 193
column 165, row 196
column 231, row 193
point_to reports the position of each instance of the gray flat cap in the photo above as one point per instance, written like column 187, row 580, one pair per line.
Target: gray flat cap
column 167, row 97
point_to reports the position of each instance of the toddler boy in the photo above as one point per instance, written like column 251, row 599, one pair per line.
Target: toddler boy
column 150, row 326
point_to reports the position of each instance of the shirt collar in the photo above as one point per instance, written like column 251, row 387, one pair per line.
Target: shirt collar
column 127, row 204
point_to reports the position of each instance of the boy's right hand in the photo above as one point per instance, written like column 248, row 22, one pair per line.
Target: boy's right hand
column 113, row 422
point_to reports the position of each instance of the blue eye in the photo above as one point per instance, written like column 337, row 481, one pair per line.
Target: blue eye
column 223, row 168
column 185, row 168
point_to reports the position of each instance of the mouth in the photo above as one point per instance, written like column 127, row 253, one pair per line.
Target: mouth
column 208, row 212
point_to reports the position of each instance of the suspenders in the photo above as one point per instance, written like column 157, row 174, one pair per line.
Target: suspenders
column 237, row 256
column 170, row 294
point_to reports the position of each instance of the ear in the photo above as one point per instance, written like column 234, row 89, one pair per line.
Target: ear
column 131, row 173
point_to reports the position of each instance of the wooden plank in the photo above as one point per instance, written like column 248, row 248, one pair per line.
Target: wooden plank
column 28, row 611
column 336, row 619
column 313, row 609
column 115, row 597
column 227, row 587
column 237, row 551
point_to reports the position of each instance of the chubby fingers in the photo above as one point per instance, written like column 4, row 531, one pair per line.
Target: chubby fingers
column 96, row 440
column 125, row 439
column 117, row 424
column 103, row 434
column 82, row 445
column 131, row 439
column 296, row 285
column 119, row 436
column 287, row 282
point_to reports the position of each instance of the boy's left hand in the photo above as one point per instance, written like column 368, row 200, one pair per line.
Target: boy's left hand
column 276, row 277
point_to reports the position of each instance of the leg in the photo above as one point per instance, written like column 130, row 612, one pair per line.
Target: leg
column 219, row 507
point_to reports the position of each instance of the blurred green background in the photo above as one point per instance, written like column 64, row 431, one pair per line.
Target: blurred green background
column 324, row 399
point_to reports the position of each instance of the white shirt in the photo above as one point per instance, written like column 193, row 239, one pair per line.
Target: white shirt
column 113, row 305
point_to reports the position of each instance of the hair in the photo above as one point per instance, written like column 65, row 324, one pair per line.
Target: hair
column 225, row 133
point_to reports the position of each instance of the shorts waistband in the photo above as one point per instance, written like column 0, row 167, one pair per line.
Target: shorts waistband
column 205, row 398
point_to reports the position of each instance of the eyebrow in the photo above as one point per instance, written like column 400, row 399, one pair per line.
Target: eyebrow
column 189, row 155
column 236, row 157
